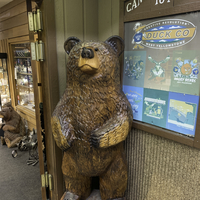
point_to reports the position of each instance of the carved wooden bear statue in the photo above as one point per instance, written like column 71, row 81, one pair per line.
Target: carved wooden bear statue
column 13, row 128
column 92, row 119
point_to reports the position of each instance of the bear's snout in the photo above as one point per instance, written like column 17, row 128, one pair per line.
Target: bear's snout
column 87, row 53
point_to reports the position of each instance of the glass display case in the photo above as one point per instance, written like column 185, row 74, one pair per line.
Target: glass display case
column 23, row 75
column 4, row 83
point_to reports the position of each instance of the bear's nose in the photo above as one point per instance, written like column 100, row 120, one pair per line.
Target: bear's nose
column 87, row 53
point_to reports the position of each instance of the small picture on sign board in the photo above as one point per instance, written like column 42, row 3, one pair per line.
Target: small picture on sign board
column 135, row 97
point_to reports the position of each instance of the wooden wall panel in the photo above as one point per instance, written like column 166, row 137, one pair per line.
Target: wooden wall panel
column 14, row 28
column 11, row 5
column 27, row 117
column 21, row 8
column 18, row 20
column 13, row 20
column 137, row 7
column 50, row 86
column 182, row 2
column 164, row 12
column 61, row 36
column 14, row 32
column 19, row 39
column 155, row 5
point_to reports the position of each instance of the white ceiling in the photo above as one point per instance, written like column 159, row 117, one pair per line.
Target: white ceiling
column 4, row 2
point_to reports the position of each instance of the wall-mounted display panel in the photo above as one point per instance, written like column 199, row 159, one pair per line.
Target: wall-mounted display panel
column 162, row 60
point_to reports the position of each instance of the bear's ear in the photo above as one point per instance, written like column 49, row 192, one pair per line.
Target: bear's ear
column 116, row 43
column 70, row 43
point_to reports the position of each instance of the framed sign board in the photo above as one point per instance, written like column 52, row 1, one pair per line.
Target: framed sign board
column 161, row 66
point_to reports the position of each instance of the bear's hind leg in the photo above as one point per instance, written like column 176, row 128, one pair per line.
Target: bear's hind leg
column 13, row 143
column 12, row 139
column 113, row 182
column 3, row 140
column 78, row 187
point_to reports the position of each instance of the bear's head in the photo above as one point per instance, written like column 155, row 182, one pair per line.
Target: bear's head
column 6, row 113
column 89, row 61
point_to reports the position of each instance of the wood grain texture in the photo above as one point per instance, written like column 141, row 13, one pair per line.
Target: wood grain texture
column 11, row 5
column 27, row 115
column 50, row 92
column 61, row 36
column 159, row 6
column 14, row 126
column 165, row 12
column 19, row 39
column 10, row 71
column 137, row 7
column 12, row 12
column 92, row 119
column 19, row 20
column 14, row 32
column 182, row 2
column 11, row 75
column 38, row 99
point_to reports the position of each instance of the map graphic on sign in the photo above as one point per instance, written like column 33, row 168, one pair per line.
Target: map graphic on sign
column 182, row 112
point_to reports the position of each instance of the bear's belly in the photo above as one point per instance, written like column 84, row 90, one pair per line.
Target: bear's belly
column 90, row 161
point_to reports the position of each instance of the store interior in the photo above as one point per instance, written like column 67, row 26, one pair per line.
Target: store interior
column 20, row 172
column 161, row 163
column 19, row 157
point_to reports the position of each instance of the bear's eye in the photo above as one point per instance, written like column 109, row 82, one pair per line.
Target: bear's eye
column 96, row 49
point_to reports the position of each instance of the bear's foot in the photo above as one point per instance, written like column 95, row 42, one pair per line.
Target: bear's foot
column 13, row 143
column 70, row 196
column 3, row 141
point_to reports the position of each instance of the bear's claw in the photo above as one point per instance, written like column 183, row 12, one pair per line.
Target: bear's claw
column 94, row 141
